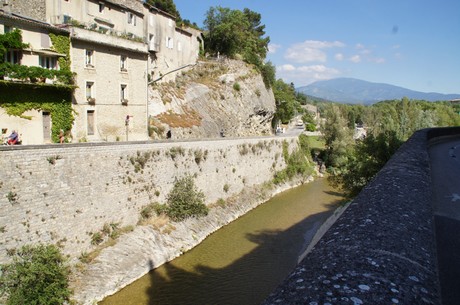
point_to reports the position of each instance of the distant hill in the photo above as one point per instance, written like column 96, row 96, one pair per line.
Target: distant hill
column 350, row 90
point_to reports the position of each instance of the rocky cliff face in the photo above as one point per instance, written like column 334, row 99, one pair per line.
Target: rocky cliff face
column 211, row 97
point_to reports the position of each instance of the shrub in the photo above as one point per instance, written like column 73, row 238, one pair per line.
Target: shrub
column 236, row 87
column 149, row 210
column 96, row 238
column 37, row 275
column 185, row 200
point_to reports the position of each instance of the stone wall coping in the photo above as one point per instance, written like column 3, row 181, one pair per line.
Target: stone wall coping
column 382, row 249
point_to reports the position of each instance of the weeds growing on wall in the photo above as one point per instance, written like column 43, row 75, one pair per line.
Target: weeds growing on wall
column 297, row 163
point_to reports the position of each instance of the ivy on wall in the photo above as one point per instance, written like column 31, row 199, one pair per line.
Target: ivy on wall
column 61, row 44
column 11, row 40
column 17, row 98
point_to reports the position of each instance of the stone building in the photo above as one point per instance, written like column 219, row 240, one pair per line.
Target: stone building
column 117, row 47
column 25, row 90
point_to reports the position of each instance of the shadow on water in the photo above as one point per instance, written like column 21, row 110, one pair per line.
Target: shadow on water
column 246, row 281
column 242, row 263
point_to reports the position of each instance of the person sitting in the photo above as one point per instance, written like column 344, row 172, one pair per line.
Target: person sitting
column 13, row 138
column 61, row 136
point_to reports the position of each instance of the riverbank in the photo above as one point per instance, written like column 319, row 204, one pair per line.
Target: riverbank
column 148, row 247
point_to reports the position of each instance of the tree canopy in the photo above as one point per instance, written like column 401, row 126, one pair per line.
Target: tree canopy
column 231, row 32
column 353, row 163
column 286, row 103
column 167, row 6
column 37, row 276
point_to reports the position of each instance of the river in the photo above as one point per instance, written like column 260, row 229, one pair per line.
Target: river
column 244, row 261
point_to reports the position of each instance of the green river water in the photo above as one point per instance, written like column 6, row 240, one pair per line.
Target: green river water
column 244, row 261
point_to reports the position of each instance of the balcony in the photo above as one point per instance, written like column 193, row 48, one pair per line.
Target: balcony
column 33, row 75
column 108, row 37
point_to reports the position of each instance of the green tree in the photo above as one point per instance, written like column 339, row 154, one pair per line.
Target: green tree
column 167, row 6
column 446, row 115
column 286, row 103
column 37, row 276
column 338, row 137
column 231, row 32
column 185, row 200
column 365, row 161
column 309, row 121
column 268, row 72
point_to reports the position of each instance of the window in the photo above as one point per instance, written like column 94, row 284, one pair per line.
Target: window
column 7, row 29
column 124, row 94
column 67, row 19
column 103, row 29
column 151, row 20
column 169, row 42
column 89, row 90
column 13, row 56
column 48, row 62
column 89, row 58
column 131, row 18
column 123, row 63
column 90, row 122
column 152, row 43
column 101, row 7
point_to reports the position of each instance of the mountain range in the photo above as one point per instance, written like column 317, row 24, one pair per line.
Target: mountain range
column 355, row 91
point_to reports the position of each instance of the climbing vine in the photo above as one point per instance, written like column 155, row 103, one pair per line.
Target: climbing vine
column 18, row 97
column 61, row 44
column 11, row 40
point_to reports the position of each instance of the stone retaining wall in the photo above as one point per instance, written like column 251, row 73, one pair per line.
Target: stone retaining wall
column 63, row 194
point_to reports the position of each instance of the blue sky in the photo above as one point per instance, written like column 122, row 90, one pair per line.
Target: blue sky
column 409, row 43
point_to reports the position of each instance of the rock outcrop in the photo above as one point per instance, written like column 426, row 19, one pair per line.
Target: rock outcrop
column 213, row 98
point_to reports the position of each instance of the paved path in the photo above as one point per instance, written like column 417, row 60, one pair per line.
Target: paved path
column 445, row 168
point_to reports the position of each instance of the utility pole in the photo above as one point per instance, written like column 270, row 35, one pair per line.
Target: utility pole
column 127, row 126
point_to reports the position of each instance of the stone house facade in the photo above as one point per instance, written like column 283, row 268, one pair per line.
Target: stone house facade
column 117, row 47
column 33, row 125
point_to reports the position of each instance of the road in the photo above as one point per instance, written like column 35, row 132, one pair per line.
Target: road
column 445, row 168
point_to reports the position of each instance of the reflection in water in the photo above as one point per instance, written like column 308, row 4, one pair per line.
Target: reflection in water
column 242, row 262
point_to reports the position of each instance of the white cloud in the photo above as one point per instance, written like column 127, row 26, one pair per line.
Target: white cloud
column 273, row 47
column 378, row 60
column 339, row 56
column 304, row 75
column 286, row 67
column 355, row 59
column 311, row 51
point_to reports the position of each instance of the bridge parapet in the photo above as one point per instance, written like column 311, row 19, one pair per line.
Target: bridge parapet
column 382, row 250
